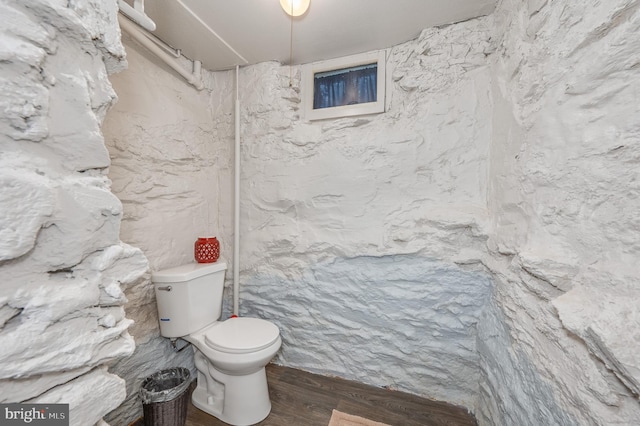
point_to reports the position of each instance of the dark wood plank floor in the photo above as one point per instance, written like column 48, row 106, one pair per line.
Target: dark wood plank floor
column 299, row 398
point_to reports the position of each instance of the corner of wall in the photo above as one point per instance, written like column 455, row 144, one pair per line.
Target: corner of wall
column 61, row 262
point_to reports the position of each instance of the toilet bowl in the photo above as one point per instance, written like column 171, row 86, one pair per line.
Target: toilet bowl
column 230, row 355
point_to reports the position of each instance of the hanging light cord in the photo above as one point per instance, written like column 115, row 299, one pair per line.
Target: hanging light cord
column 291, row 48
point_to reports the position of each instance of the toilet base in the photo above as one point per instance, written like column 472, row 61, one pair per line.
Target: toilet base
column 237, row 400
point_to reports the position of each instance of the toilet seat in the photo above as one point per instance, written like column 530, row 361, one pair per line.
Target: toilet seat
column 241, row 335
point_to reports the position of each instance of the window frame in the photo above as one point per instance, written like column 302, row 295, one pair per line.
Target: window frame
column 309, row 71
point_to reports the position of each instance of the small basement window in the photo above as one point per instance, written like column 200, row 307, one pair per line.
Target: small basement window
column 344, row 87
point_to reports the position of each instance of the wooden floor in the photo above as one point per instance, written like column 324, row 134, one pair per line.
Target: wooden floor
column 299, row 398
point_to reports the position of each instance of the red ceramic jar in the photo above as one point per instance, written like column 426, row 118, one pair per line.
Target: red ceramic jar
column 206, row 250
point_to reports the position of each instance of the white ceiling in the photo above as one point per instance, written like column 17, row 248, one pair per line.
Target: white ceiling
column 226, row 33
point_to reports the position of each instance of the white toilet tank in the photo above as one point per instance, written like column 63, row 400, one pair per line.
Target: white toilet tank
column 189, row 297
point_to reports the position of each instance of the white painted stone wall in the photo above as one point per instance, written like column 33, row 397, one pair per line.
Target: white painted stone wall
column 561, row 345
column 171, row 148
column 365, row 238
column 355, row 232
column 476, row 243
column 62, row 265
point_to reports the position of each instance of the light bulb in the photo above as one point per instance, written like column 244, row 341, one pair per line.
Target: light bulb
column 295, row 7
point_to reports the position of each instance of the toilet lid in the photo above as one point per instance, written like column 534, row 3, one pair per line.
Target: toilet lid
column 241, row 335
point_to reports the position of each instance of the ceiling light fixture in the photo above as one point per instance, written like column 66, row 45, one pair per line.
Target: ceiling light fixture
column 295, row 7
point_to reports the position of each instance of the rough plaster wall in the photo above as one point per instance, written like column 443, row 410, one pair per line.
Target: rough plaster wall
column 171, row 149
column 61, row 262
column 355, row 232
column 564, row 199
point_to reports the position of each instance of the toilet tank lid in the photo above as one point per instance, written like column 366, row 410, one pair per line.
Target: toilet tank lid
column 187, row 272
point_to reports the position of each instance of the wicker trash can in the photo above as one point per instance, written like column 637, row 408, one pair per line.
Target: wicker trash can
column 165, row 397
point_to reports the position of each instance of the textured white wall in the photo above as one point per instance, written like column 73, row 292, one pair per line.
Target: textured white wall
column 355, row 232
column 364, row 238
column 61, row 262
column 476, row 243
column 561, row 344
column 171, row 149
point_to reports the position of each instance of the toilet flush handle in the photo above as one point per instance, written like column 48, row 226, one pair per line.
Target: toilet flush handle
column 165, row 288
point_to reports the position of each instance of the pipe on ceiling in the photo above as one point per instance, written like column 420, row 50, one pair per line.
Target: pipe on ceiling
column 136, row 14
column 194, row 78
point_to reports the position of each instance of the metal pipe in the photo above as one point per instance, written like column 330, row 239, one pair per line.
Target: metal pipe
column 174, row 52
column 236, row 225
column 137, row 14
column 191, row 77
column 174, row 344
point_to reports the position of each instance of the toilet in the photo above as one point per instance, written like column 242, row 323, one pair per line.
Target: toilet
column 230, row 355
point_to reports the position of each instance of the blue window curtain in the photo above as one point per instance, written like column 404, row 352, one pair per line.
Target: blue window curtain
column 348, row 86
